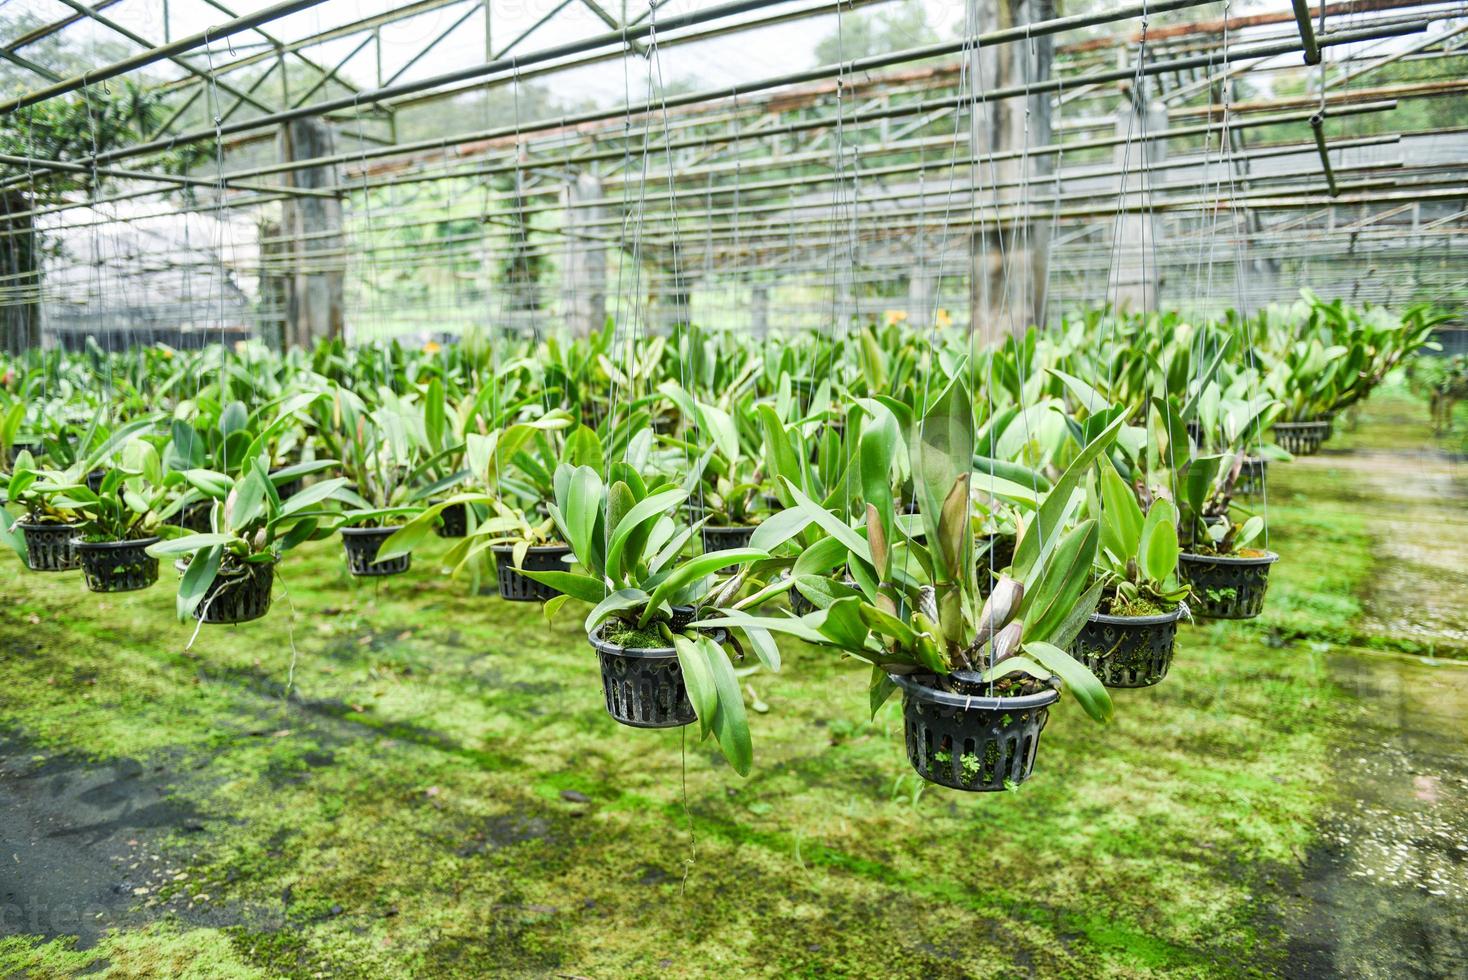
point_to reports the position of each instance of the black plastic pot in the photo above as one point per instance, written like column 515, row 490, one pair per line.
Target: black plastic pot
column 16, row 448
column 1251, row 476
column 1128, row 651
column 50, row 547
column 238, row 594
column 94, row 480
column 643, row 686
column 118, row 566
column 968, row 742
column 290, row 488
column 520, row 588
column 1301, row 438
column 723, row 538
column 454, row 521
column 1226, row 588
column 799, row 604
column 362, row 544
column 194, row 517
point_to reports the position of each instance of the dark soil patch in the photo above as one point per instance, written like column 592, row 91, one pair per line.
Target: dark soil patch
column 78, row 845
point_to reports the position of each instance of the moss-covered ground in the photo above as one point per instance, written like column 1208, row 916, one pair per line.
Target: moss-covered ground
column 401, row 779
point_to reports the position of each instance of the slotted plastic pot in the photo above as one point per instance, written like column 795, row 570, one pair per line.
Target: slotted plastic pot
column 118, row 566
column 238, row 594
column 290, row 488
column 643, row 686
column 724, row 538
column 969, row 742
column 1226, row 587
column 1128, row 651
column 1301, row 438
column 194, row 517
column 453, row 521
column 50, row 547
column 515, row 587
column 16, row 448
column 362, row 545
column 1251, row 476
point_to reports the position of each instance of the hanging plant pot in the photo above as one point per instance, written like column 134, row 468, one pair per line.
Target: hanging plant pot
column 118, row 566
column 238, row 594
column 1227, row 587
column 453, row 521
column 1301, row 438
column 290, row 488
column 94, row 480
column 1251, row 476
column 998, row 556
column 50, row 547
column 194, row 517
column 1128, row 651
column 799, row 604
column 541, row 558
column 16, row 448
column 643, row 686
column 362, row 545
column 969, row 741
column 724, row 538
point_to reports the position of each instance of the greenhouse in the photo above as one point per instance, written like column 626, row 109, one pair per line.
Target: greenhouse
column 792, row 488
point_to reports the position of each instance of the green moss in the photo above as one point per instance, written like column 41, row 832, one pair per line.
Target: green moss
column 624, row 634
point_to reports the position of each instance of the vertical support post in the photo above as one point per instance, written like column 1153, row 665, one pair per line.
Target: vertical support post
column 311, row 225
column 1307, row 31
column 759, row 308
column 20, row 318
column 1010, row 262
column 584, row 278
column 1317, row 123
column 523, row 266
column 1135, row 279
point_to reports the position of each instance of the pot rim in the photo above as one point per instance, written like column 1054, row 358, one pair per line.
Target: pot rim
column 1300, row 425
column 367, row 532
column 1268, row 558
column 641, row 653
column 109, row 545
column 913, row 685
column 48, row 525
column 541, row 548
column 1155, row 620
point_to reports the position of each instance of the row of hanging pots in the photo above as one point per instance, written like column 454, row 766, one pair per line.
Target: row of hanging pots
column 960, row 736
column 108, row 566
